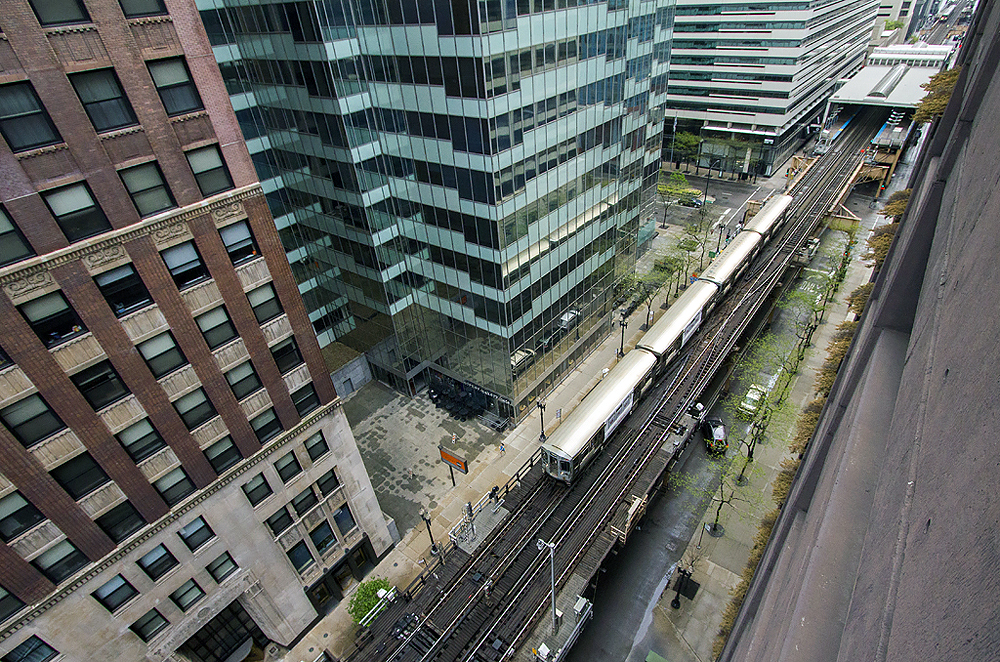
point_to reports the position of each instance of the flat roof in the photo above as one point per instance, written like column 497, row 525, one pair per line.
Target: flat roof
column 906, row 94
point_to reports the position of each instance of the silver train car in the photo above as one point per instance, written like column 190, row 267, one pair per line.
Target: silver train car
column 584, row 432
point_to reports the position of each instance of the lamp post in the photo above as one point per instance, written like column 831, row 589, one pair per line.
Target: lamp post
column 541, row 415
column 552, row 564
column 682, row 576
column 624, row 323
column 427, row 520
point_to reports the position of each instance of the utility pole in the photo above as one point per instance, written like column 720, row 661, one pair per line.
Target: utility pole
column 552, row 564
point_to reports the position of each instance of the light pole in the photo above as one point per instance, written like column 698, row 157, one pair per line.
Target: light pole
column 624, row 323
column 682, row 576
column 541, row 415
column 552, row 564
column 427, row 520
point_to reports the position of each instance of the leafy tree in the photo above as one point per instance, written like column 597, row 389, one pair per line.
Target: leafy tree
column 678, row 180
column 896, row 204
column 893, row 25
column 673, row 265
column 939, row 89
column 365, row 597
column 685, row 147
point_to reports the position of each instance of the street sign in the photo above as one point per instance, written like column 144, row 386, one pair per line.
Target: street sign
column 451, row 459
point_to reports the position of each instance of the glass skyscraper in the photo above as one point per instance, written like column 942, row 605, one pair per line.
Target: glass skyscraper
column 456, row 184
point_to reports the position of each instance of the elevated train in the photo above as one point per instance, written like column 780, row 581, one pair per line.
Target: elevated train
column 582, row 435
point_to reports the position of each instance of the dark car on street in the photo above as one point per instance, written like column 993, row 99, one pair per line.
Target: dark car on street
column 714, row 432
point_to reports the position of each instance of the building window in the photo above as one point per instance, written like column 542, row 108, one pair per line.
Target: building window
column 323, row 537
column 115, row 593
column 140, row 440
column 76, row 212
column 13, row 246
column 209, row 170
column 196, row 534
column 60, row 561
column 300, row 556
column 59, row 12
column 123, row 290
column 264, row 302
column 257, row 489
column 100, row 385
column 52, row 319
column 185, row 264
column 344, row 519
column 279, row 521
column 4, row 360
column 222, row 567
column 162, row 354
column 194, row 408
column 305, row 399
column 10, row 604
column 174, row 486
column 173, row 82
column 147, row 188
column 137, row 8
column 243, row 380
column 266, row 425
column 305, row 500
column 151, row 623
column 188, row 594
column 327, row 483
column 216, row 327
column 103, row 99
column 157, row 562
column 32, row 649
column 17, row 515
column 286, row 354
column 121, row 521
column 223, row 454
column 288, row 467
column 23, row 121
column 239, row 242
column 316, row 446
column 31, row 420
column 80, row 475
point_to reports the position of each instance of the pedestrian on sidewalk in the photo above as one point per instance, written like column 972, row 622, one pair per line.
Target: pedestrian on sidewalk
column 503, row 451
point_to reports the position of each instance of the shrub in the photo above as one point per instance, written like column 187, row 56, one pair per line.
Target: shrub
column 365, row 597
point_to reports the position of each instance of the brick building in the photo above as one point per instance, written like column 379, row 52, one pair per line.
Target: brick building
column 177, row 477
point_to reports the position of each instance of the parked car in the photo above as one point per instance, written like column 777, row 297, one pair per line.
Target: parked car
column 756, row 395
column 691, row 202
column 714, row 432
column 520, row 360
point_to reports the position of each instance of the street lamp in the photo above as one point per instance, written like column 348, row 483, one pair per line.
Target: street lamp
column 682, row 576
column 427, row 520
column 541, row 415
column 552, row 564
column 624, row 323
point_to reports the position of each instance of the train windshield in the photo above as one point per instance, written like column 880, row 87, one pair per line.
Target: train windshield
column 564, row 466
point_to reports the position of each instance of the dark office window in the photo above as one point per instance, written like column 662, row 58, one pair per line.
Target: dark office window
column 175, row 86
column 223, row 454
column 286, row 354
column 136, row 8
column 216, row 327
column 209, row 170
column 264, row 302
column 316, row 446
column 52, row 319
column 257, row 489
column 121, row 521
column 344, row 519
column 187, row 594
column 303, row 501
column 103, row 99
column 23, row 121
column 222, row 567
column 239, row 242
column 288, row 467
column 327, row 483
column 300, row 556
column 76, row 212
column 157, row 562
column 194, row 408
column 31, row 420
column 243, row 380
column 323, row 537
column 17, row 515
column 13, row 246
column 100, row 385
column 147, row 188
column 266, row 425
column 115, row 593
column 151, row 623
column 10, row 604
column 60, row 561
column 196, row 534
column 162, row 354
column 185, row 265
column 174, row 486
column 80, row 476
column 123, row 290
column 32, row 649
column 59, row 12
column 141, row 440
column 305, row 399
column 279, row 521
